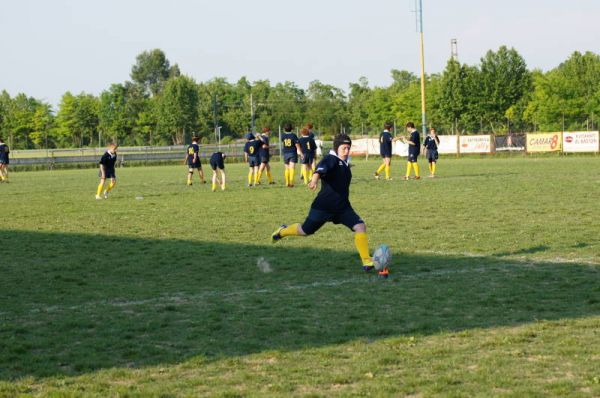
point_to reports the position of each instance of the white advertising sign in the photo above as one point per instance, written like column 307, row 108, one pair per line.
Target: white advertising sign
column 448, row 144
column 475, row 144
column 580, row 141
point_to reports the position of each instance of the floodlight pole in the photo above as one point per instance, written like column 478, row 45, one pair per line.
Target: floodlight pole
column 422, row 58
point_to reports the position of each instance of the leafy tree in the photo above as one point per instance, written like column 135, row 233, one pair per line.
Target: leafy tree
column 326, row 107
column 177, row 108
column 503, row 80
column 152, row 69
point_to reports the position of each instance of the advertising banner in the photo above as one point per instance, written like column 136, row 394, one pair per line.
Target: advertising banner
column 448, row 144
column 544, row 142
column 475, row 144
column 580, row 141
column 359, row 147
column 400, row 148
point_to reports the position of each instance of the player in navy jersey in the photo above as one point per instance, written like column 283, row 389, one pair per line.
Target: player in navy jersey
column 265, row 155
column 307, row 146
column 217, row 164
column 192, row 158
column 251, row 156
column 4, row 161
column 431, row 146
column 332, row 202
column 311, row 134
column 414, row 148
column 107, row 170
column 291, row 149
column 385, row 149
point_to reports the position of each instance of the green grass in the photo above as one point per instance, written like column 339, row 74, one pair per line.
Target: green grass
column 495, row 286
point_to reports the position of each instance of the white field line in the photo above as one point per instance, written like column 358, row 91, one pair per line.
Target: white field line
column 186, row 299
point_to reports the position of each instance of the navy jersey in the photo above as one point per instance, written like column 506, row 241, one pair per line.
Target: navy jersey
column 289, row 142
column 192, row 149
column 307, row 145
column 4, row 153
column 252, row 147
column 431, row 143
column 335, row 185
column 385, row 143
column 414, row 137
column 108, row 160
column 264, row 152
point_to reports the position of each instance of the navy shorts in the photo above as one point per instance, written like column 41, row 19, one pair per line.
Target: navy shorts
column 214, row 164
column 265, row 157
column 432, row 155
column 290, row 157
column 385, row 154
column 253, row 161
column 195, row 165
column 308, row 158
column 108, row 173
column 316, row 218
column 412, row 156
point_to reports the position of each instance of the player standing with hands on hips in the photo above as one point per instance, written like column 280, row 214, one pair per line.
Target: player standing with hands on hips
column 414, row 148
column 385, row 149
column 332, row 203
column 431, row 147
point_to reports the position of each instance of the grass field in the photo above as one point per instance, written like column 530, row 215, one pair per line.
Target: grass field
column 495, row 285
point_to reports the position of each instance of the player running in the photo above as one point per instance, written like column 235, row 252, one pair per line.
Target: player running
column 414, row 148
column 4, row 161
column 291, row 149
column 265, row 155
column 332, row 202
column 307, row 146
column 431, row 145
column 193, row 161
column 107, row 170
column 251, row 156
column 385, row 149
column 217, row 164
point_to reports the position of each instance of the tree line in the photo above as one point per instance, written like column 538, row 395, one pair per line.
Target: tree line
column 161, row 106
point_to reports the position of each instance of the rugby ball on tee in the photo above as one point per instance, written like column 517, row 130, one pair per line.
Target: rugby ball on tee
column 382, row 257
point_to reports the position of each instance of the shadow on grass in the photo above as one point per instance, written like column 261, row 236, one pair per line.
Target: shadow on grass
column 72, row 304
column 529, row 250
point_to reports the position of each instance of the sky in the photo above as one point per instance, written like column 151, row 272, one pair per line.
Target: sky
column 48, row 47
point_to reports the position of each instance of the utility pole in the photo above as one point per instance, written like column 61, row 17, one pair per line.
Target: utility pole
column 422, row 58
column 251, row 115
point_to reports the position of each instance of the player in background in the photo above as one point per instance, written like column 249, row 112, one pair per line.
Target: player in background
column 291, row 149
column 217, row 164
column 414, row 148
column 193, row 161
column 311, row 134
column 385, row 149
column 107, row 170
column 265, row 155
column 307, row 146
column 251, row 156
column 332, row 203
column 431, row 147
column 4, row 161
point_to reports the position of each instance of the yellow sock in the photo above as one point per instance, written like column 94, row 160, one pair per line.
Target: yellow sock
column 380, row 169
column 387, row 172
column 269, row 176
column 250, row 178
column 305, row 172
column 408, row 168
column 433, row 168
column 290, row 230
column 256, row 178
column 286, row 175
column 259, row 176
column 362, row 245
column 291, row 176
column 110, row 187
column 416, row 167
column 214, row 186
column 99, row 190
